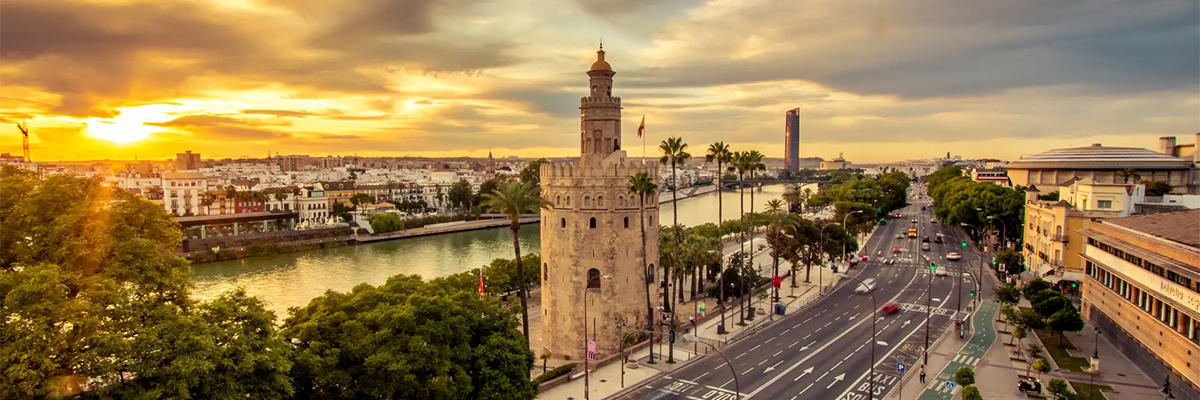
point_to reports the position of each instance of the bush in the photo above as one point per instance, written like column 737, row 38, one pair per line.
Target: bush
column 554, row 373
column 964, row 377
column 971, row 393
column 1059, row 389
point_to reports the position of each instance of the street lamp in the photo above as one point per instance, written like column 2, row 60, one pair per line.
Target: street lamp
column 737, row 387
column 978, row 279
column 844, row 226
column 821, row 272
column 874, row 308
column 586, row 373
column 1003, row 231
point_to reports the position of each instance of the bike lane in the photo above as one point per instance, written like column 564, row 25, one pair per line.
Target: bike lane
column 941, row 387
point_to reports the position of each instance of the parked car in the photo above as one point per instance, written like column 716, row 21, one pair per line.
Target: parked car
column 889, row 308
column 865, row 287
column 953, row 257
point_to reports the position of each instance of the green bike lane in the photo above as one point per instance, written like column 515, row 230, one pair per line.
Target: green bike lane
column 981, row 340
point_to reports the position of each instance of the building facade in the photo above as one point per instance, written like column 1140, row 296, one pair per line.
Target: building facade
column 1105, row 165
column 1143, row 289
column 1053, row 240
column 791, row 140
column 591, row 234
column 182, row 192
column 187, row 161
column 838, row 163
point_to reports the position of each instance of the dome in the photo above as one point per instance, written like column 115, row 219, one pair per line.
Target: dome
column 600, row 64
column 1100, row 157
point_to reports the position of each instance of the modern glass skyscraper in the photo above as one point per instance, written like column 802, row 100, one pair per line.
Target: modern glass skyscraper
column 791, row 141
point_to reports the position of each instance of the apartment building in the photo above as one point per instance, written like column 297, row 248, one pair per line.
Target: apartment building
column 182, row 192
column 1143, row 290
column 1052, row 239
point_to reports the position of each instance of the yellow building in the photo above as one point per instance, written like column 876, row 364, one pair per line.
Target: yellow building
column 1143, row 291
column 1052, row 239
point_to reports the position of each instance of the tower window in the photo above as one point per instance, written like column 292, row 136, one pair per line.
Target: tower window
column 593, row 277
column 626, row 222
column 546, row 272
column 592, row 222
column 650, row 274
column 564, row 223
column 600, row 201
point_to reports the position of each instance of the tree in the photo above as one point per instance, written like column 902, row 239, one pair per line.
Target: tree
column 338, row 209
column 1066, row 320
column 531, row 174
column 780, row 222
column 489, row 186
column 1060, row 389
column 971, row 393
column 642, row 185
column 1006, row 295
column 408, row 339
column 1009, row 313
column 740, row 163
column 514, row 199
column 1012, row 260
column 1051, row 304
column 1042, row 366
column 1019, row 332
column 353, row 176
column 206, row 200
column 964, row 377
column 675, row 153
column 386, row 222
column 1128, row 174
column 1158, row 188
column 460, row 195
column 361, row 198
column 1035, row 286
column 92, row 289
column 719, row 152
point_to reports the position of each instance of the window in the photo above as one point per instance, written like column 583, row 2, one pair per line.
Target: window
column 593, row 281
column 568, row 200
column 600, row 201
column 626, row 222
column 564, row 223
column 650, row 274
column 545, row 272
column 1103, row 203
column 592, row 223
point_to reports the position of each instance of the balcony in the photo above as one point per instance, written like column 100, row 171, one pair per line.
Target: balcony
column 1059, row 238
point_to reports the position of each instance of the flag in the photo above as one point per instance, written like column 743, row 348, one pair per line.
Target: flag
column 481, row 282
column 642, row 127
column 591, row 350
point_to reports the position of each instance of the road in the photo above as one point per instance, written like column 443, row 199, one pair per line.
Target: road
column 823, row 351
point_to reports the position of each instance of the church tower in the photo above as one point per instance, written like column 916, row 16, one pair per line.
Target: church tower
column 592, row 229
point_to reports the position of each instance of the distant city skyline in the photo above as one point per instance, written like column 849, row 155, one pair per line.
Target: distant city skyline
column 908, row 80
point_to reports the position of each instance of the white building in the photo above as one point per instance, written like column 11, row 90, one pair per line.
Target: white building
column 182, row 192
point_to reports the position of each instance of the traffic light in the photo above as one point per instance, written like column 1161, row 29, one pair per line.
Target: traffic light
column 1074, row 285
column 964, row 243
column 672, row 337
column 932, row 267
column 972, row 293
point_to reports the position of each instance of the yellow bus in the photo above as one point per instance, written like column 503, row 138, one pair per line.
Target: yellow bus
column 912, row 232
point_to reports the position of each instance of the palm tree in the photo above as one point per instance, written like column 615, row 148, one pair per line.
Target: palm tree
column 778, row 220
column 1130, row 173
column 739, row 165
column 675, row 154
column 642, row 185
column 753, row 163
column 206, row 200
column 720, row 153
column 513, row 199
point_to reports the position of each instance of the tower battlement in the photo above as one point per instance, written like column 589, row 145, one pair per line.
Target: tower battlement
column 599, row 101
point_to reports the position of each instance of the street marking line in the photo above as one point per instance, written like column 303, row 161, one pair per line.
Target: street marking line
column 769, row 340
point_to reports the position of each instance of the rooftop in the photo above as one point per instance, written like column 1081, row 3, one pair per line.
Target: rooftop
column 1180, row 226
column 1097, row 156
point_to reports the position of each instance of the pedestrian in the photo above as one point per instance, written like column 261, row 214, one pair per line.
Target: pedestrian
column 922, row 373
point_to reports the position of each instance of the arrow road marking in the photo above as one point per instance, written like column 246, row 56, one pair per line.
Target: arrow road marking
column 906, row 322
column 806, row 371
column 772, row 368
column 836, row 379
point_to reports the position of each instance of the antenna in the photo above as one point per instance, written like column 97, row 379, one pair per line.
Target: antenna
column 24, row 139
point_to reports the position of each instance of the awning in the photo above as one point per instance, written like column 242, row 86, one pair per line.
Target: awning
column 1073, row 276
column 1044, row 269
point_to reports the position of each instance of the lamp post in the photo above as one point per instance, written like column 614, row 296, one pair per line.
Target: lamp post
column 1003, row 231
column 737, row 387
column 844, row 226
column 821, row 272
column 587, row 373
column 978, row 279
column 874, row 308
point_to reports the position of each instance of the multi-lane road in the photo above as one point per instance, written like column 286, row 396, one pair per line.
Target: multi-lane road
column 824, row 350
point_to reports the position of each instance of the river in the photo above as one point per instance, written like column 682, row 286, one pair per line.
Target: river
column 293, row 279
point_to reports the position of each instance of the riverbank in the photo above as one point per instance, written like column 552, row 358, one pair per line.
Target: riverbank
column 451, row 227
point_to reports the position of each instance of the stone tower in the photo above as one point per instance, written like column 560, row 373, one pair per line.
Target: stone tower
column 592, row 229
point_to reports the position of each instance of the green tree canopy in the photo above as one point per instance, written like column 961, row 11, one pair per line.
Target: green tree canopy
column 489, row 186
column 1034, row 286
column 1006, row 295
column 1158, row 188
column 460, row 195
column 1060, row 389
column 92, row 289
column 386, row 222
column 531, row 174
column 1066, row 320
column 408, row 339
column 965, row 376
column 1051, row 304
column 359, row 199
column 971, row 393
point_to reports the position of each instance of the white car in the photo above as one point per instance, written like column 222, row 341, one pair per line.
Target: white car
column 953, row 257
column 865, row 287
column 941, row 271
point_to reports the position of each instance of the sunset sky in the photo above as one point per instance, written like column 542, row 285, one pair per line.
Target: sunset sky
column 876, row 80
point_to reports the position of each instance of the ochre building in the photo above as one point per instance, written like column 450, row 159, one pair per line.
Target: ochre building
column 591, row 237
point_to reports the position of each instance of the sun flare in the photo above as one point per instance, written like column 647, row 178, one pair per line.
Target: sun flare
column 130, row 125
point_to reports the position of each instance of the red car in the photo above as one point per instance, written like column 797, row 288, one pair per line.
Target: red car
column 889, row 308
column 937, row 239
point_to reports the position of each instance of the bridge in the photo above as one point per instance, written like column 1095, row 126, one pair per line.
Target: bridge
column 733, row 184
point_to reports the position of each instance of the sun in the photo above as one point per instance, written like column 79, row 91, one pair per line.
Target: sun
column 129, row 125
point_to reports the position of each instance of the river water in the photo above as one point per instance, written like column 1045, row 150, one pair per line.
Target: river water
column 293, row 279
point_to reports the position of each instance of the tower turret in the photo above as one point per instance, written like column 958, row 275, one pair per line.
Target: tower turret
column 600, row 112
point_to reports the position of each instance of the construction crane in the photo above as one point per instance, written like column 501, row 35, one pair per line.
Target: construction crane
column 24, row 139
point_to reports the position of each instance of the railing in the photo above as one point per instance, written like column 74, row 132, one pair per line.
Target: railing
column 1059, row 238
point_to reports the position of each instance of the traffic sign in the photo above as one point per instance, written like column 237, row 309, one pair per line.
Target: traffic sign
column 949, row 385
column 900, row 367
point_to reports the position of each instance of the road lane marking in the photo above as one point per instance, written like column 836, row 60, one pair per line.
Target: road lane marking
column 794, row 344
column 777, row 353
column 769, row 340
column 754, row 348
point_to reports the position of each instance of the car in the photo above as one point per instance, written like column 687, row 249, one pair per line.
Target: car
column 899, row 236
column 938, row 239
column 933, row 220
column 889, row 308
column 940, row 271
column 925, row 239
column 865, row 258
column 914, row 220
column 925, row 246
column 866, row 286
column 939, row 234
column 896, row 249
column 953, row 257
